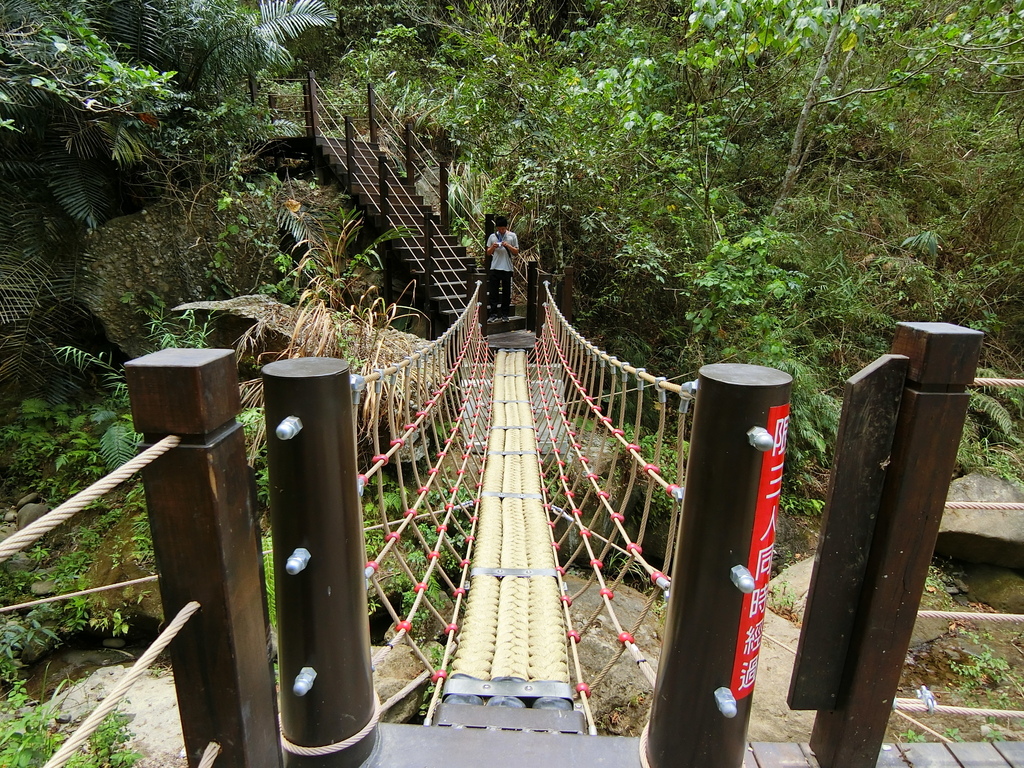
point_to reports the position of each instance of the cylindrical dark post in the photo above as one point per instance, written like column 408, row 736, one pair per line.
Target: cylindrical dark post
column 253, row 90
column 568, row 276
column 531, row 297
column 206, row 542
column 410, row 165
column 488, row 229
column 542, row 296
column 443, row 194
column 312, row 106
column 428, row 250
column 482, row 299
column 371, row 111
column 350, row 152
column 723, row 563
column 382, row 175
column 319, row 557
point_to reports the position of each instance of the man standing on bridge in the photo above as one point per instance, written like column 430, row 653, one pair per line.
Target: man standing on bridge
column 502, row 245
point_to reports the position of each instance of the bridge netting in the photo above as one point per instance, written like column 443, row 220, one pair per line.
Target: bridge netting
column 524, row 465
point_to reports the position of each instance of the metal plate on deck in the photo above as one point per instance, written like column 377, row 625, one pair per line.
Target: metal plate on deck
column 524, row 690
column 519, row 572
column 508, row 719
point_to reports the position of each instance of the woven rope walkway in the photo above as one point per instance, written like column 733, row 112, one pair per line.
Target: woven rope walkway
column 514, row 626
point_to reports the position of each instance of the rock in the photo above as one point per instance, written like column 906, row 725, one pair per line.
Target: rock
column 43, row 588
column 1002, row 588
column 39, row 644
column 983, row 535
column 27, row 499
column 787, row 592
column 11, row 517
column 29, row 513
column 114, row 642
column 19, row 562
column 399, row 668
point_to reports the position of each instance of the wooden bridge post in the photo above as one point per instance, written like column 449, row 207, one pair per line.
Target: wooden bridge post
column 312, row 105
column 565, row 298
column 720, row 579
column 443, row 194
column 371, row 111
column 326, row 685
column 385, row 203
column 410, row 159
column 933, row 406
column 544, row 279
column 206, row 541
column 531, row 297
column 350, row 152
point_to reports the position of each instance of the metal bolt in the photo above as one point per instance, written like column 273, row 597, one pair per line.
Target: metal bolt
column 726, row 702
column 678, row 493
column 760, row 438
column 304, row 681
column 743, row 579
column 298, row 561
column 288, row 428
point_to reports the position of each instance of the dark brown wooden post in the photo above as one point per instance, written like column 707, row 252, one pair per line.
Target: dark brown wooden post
column 542, row 296
column 253, row 90
column 382, row 175
column 488, row 229
column 482, row 308
column 943, row 360
column 207, row 548
column 410, row 164
column 319, row 560
column 350, row 152
column 312, row 106
column 443, row 195
column 720, row 579
column 568, row 276
column 531, row 297
column 371, row 111
column 871, row 404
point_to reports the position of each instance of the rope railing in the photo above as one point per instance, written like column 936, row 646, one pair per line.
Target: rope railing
column 80, row 593
column 94, row 720
column 31, row 533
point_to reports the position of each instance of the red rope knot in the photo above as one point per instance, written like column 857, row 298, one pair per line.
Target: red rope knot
column 473, row 519
column 606, row 421
column 471, row 538
column 460, row 472
column 551, row 523
column 449, row 507
column 433, row 554
column 421, row 413
column 448, row 441
column 618, row 432
column 438, row 675
column 573, row 635
column 571, row 433
column 657, row 577
column 451, row 629
column 441, row 528
column 673, row 490
column 547, row 506
column 617, row 516
column 459, row 592
column 430, row 403
column 479, row 485
column 654, row 469
column 404, row 626
column 465, row 456
column 584, row 460
column 583, row 690
column 605, row 592
column 635, row 548
column 372, row 565
column 463, row 562
column 453, row 490
column 560, row 570
column 586, row 533
column 433, row 471
column 397, row 441
column 561, row 463
column 420, row 587
column 556, row 545
column 604, row 495
column 381, row 458
column 592, row 476
column 423, row 490
column 577, row 512
column 633, row 447
column 595, row 563
column 571, row 494
column 564, row 478
column 409, row 427
column 566, row 599
column 625, row 638
column 410, row 513
column 393, row 537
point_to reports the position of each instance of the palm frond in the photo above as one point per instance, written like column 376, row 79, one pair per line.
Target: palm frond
column 81, row 186
column 283, row 20
column 1000, row 418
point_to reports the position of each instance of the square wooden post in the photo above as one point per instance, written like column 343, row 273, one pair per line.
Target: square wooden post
column 207, row 546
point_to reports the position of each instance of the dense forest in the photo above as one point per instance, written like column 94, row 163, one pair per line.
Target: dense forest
column 775, row 182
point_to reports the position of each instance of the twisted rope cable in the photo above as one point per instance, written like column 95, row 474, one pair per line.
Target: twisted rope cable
column 93, row 721
column 69, row 595
column 330, row 749
column 916, row 705
column 209, row 755
column 999, row 383
column 1012, row 506
column 82, row 499
column 967, row 616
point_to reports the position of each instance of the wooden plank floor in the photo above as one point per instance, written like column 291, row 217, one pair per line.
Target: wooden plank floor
column 966, row 755
column 511, row 340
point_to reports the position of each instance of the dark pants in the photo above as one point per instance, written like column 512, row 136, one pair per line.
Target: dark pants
column 501, row 293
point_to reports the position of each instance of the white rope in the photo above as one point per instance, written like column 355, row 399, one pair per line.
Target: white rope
column 967, row 616
column 209, row 755
column 55, row 598
column 999, row 382
column 330, row 749
column 93, row 721
column 983, row 505
column 81, row 500
column 644, row 762
column 915, row 705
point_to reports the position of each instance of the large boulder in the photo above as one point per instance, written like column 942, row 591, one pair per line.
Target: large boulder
column 1002, row 588
column 983, row 535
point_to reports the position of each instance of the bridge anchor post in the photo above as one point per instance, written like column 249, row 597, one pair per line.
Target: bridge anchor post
column 327, row 694
column 723, row 563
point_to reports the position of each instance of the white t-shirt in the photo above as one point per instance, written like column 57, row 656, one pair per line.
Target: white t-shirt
column 501, row 259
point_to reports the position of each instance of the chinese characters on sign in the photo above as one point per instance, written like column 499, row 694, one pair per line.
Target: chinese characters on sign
column 759, row 562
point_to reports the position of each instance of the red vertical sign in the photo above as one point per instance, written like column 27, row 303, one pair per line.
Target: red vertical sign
column 759, row 561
